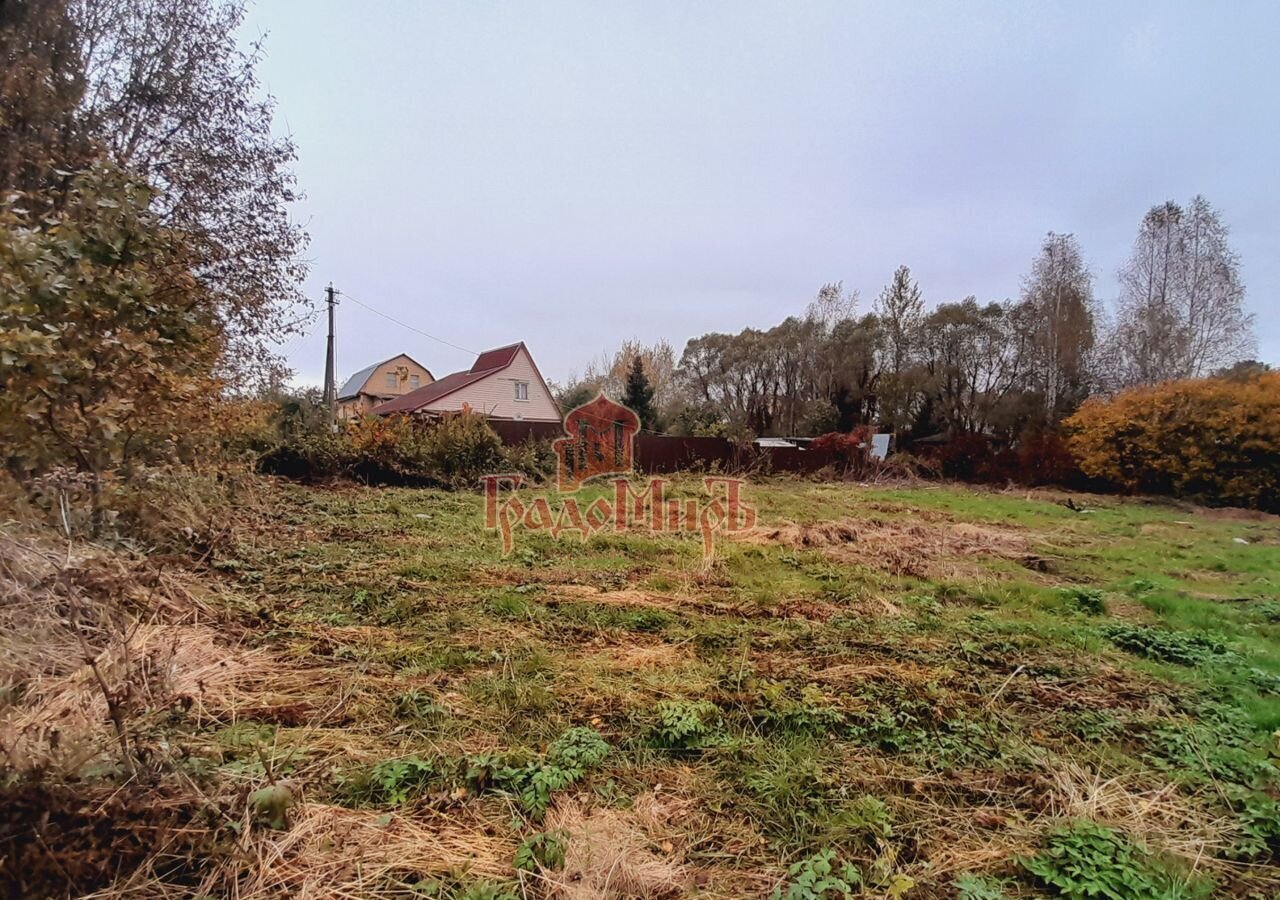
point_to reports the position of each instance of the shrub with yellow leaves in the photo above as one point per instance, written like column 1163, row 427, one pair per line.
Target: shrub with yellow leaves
column 1211, row 439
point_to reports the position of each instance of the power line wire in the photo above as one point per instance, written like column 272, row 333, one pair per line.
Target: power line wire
column 439, row 340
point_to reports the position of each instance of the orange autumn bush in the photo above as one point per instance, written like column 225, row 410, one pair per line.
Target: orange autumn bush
column 1210, row 439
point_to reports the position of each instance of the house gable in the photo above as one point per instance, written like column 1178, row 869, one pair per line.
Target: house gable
column 389, row 378
column 513, row 391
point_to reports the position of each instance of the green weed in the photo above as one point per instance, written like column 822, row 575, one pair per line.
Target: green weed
column 1165, row 646
column 533, row 782
column 979, row 887
column 415, row 706
column 809, row 713
column 1085, row 860
column 544, row 850
column 391, row 782
column 822, row 876
column 685, row 724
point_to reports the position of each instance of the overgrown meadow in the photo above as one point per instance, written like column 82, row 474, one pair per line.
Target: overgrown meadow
column 904, row 691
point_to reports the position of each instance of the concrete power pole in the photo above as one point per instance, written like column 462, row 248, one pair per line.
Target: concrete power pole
column 330, row 389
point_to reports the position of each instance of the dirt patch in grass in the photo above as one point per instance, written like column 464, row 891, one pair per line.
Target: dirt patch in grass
column 641, row 657
column 821, row 534
column 628, row 597
column 917, row 549
column 1103, row 689
column 1235, row 514
column 1121, row 606
column 807, row 609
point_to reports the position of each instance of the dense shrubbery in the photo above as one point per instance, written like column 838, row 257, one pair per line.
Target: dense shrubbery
column 1215, row 439
column 454, row 451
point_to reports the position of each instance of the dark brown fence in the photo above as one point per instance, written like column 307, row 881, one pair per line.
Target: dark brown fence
column 513, row 431
column 656, row 454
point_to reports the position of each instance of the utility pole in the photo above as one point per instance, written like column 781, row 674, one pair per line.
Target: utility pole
column 330, row 389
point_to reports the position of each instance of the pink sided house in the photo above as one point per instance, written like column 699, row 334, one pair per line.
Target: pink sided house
column 502, row 384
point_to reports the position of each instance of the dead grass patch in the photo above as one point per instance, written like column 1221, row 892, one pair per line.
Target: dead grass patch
column 1162, row 815
column 642, row 657
column 331, row 851
column 896, row 671
column 63, row 721
column 917, row 549
column 612, row 853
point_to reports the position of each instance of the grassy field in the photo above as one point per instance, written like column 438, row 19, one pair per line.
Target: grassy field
column 902, row 692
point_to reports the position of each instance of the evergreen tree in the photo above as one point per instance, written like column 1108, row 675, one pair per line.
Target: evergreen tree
column 639, row 394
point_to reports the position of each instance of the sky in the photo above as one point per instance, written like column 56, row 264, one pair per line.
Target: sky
column 576, row 174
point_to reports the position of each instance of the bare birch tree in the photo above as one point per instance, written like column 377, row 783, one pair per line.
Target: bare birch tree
column 1060, row 313
column 1181, row 311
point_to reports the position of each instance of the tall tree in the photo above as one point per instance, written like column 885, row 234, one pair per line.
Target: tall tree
column 107, row 346
column 854, row 392
column 1181, row 311
column 900, row 310
column 639, row 394
column 160, row 88
column 1057, row 297
column 42, row 85
column 824, row 315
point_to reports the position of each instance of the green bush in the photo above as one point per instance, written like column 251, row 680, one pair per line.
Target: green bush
column 460, row 449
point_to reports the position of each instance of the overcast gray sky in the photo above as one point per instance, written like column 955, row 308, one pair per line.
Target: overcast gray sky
column 573, row 174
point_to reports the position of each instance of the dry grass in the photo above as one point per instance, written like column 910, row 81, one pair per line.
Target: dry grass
column 332, row 852
column 615, row 854
column 919, row 548
column 1141, row 805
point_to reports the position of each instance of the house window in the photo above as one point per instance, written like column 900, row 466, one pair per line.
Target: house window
column 522, row 390
column 413, row 382
column 392, row 381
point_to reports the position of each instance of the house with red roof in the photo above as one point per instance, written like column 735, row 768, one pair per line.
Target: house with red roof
column 502, row 384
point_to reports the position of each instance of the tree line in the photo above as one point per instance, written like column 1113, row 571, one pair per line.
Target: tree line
column 965, row 367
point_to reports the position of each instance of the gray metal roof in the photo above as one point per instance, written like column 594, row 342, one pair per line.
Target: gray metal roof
column 351, row 387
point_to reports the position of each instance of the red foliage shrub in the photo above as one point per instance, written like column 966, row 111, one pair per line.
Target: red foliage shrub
column 1044, row 458
column 850, row 450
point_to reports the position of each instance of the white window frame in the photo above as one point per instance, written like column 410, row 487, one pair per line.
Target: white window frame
column 522, row 387
column 392, row 381
column 415, row 382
